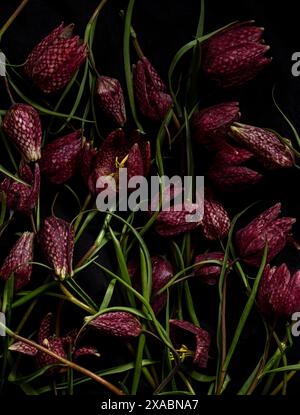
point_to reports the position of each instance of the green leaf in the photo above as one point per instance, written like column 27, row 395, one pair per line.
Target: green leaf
column 178, row 56
column 295, row 132
column 32, row 376
column 247, row 309
column 295, row 367
column 108, row 295
column 127, row 63
column 199, row 377
column 122, row 264
column 194, row 71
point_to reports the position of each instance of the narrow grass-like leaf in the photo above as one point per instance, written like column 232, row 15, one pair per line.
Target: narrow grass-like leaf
column 127, row 63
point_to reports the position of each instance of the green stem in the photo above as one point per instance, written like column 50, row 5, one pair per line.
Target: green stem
column 12, row 18
column 64, row 361
column 127, row 63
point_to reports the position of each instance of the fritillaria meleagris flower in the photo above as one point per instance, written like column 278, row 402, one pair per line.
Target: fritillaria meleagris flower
column 211, row 125
column 56, row 239
column 267, row 227
column 235, row 55
column 215, row 223
column 234, row 178
column 117, row 324
column 110, row 98
column 229, row 155
column 279, row 291
column 162, row 272
column 60, row 158
column 18, row 261
column 21, row 197
column 209, row 273
column 226, row 171
column 118, row 151
column 53, row 62
column 150, row 91
column 192, row 340
column 23, row 126
column 264, row 144
column 58, row 345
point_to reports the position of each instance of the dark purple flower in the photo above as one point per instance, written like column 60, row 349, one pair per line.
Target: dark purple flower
column 162, row 272
column 118, row 151
column 18, row 261
column 197, row 339
column 60, row 158
column 109, row 95
column 59, row 345
column 233, row 178
column 178, row 215
column 209, row 273
column 279, row 291
column 20, row 197
column 267, row 227
column 211, row 125
column 150, row 91
column 118, row 324
column 56, row 239
column 229, row 155
column 235, row 55
column 215, row 223
column 264, row 144
column 23, row 126
column 53, row 62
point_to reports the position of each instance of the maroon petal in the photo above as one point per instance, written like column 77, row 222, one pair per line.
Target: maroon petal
column 233, row 178
column 150, row 91
column 23, row 348
column 18, row 261
column 264, row 144
column 209, row 273
column 57, row 242
column 119, row 324
column 23, row 126
column 60, row 158
column 173, row 222
column 201, row 339
column 215, row 223
column 109, row 95
column 162, row 272
column 231, row 156
column 212, row 124
column 55, row 59
column 86, row 351
column 46, row 328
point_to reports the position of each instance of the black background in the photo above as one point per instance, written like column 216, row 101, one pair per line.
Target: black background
column 163, row 26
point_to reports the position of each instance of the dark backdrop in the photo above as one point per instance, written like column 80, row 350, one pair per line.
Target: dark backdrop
column 163, row 26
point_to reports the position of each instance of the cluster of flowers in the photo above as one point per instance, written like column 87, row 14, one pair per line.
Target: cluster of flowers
column 231, row 57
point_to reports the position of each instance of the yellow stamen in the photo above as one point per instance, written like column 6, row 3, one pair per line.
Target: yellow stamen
column 183, row 353
column 121, row 164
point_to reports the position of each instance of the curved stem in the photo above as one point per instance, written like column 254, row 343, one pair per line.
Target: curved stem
column 66, row 362
column 75, row 301
column 12, row 17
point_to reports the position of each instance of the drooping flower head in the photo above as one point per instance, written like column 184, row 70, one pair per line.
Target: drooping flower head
column 23, row 126
column 53, row 62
